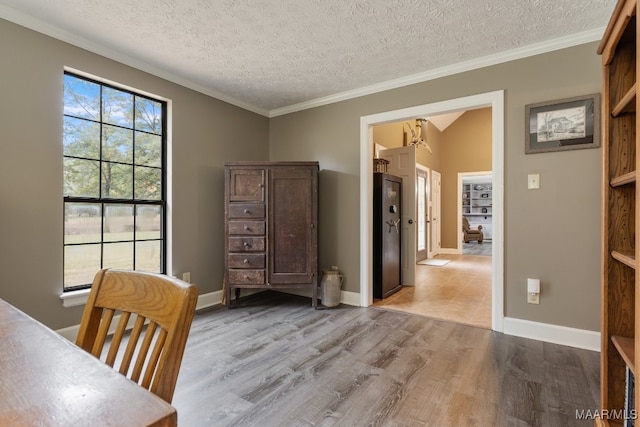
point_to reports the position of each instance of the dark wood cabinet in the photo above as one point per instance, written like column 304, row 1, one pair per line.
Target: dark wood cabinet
column 271, row 226
column 387, row 236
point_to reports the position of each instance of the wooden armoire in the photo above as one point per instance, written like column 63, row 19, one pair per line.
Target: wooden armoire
column 271, row 226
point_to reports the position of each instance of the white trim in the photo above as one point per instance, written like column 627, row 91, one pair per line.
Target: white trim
column 427, row 171
column 74, row 298
column 579, row 338
column 346, row 297
column 450, row 251
column 350, row 298
column 474, row 64
column 495, row 100
column 27, row 21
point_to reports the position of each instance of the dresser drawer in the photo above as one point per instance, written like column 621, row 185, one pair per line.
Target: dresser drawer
column 246, row 244
column 249, row 228
column 246, row 210
column 246, row 261
column 246, row 277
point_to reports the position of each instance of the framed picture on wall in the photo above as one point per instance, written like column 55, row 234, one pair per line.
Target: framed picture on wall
column 564, row 124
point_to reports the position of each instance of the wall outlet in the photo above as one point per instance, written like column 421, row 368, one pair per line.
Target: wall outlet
column 186, row 277
column 533, row 298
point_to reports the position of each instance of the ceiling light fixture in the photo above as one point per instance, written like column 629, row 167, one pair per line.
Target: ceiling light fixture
column 416, row 135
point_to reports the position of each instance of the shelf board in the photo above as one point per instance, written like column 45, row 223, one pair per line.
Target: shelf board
column 627, row 178
column 627, row 104
column 625, row 257
column 617, row 25
column 626, row 348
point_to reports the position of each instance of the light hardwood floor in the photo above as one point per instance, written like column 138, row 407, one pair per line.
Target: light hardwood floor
column 274, row 361
column 459, row 291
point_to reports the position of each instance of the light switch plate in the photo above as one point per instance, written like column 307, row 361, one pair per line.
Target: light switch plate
column 533, row 181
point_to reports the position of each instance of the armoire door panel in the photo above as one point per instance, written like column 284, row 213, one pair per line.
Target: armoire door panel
column 246, row 185
column 292, row 226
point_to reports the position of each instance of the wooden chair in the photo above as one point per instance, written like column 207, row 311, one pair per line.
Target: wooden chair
column 167, row 307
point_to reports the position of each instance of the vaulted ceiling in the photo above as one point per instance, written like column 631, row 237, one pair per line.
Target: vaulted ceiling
column 272, row 56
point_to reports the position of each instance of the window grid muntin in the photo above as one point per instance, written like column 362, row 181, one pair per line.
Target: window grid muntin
column 115, row 201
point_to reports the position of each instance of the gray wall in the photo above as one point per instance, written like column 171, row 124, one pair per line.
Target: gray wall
column 551, row 234
column 206, row 132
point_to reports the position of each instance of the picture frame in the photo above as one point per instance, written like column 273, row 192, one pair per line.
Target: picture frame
column 563, row 124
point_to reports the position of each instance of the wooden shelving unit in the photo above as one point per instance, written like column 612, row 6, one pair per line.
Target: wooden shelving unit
column 477, row 205
column 620, row 325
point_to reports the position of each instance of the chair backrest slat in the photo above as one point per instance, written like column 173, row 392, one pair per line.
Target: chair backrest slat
column 143, row 351
column 103, row 331
column 132, row 343
column 158, row 347
column 117, row 338
column 164, row 309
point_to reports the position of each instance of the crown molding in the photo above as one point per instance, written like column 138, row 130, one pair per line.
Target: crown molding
column 474, row 64
column 42, row 27
column 485, row 61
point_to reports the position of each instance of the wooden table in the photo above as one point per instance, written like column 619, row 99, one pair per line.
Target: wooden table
column 46, row 380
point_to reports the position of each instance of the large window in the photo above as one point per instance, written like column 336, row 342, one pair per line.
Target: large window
column 114, row 180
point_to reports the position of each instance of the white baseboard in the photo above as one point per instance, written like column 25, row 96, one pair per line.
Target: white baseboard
column 350, row 298
column 579, row 338
column 450, row 251
column 205, row 300
column 346, row 297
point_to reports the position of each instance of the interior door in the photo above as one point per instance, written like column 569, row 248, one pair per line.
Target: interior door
column 436, row 229
column 402, row 163
column 422, row 205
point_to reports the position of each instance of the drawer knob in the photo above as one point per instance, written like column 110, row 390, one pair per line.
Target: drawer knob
column 246, row 277
column 246, row 261
column 246, row 211
column 246, row 227
column 246, row 244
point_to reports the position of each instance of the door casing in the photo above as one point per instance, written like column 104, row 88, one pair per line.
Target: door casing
column 494, row 100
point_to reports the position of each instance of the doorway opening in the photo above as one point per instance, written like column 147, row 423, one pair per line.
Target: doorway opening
column 424, row 247
column 475, row 216
column 495, row 100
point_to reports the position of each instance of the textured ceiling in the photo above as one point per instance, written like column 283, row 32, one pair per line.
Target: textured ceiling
column 272, row 54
